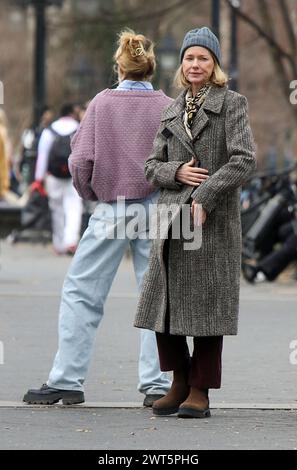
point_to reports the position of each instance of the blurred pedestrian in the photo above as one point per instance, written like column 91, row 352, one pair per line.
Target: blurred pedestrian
column 4, row 155
column 79, row 111
column 52, row 170
column 47, row 117
column 107, row 161
column 29, row 145
column 202, row 154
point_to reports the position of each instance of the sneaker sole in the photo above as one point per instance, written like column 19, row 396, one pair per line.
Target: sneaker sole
column 69, row 400
column 74, row 401
column 192, row 413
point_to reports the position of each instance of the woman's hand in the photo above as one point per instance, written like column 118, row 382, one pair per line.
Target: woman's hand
column 191, row 175
column 198, row 213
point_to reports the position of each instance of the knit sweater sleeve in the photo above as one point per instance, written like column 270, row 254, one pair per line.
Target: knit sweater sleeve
column 241, row 152
column 158, row 170
column 81, row 160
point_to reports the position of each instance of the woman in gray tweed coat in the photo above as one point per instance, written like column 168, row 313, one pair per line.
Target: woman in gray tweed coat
column 204, row 151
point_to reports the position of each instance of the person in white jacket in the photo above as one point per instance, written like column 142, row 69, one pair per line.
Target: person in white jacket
column 65, row 204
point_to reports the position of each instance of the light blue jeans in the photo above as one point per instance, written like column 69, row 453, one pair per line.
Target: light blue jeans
column 85, row 289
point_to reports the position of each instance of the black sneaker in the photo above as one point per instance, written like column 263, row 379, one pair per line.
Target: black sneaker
column 48, row 396
column 149, row 399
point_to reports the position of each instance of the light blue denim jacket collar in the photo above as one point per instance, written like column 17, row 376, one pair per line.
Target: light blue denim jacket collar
column 134, row 85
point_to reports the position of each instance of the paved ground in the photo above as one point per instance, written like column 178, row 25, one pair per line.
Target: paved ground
column 257, row 371
column 137, row 429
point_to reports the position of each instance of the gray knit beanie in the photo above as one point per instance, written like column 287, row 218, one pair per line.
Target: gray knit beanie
column 203, row 37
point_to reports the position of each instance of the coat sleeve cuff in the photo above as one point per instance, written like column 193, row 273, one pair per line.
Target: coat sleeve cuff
column 172, row 169
column 207, row 202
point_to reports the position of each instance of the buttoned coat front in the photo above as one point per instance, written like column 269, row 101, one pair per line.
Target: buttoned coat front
column 200, row 287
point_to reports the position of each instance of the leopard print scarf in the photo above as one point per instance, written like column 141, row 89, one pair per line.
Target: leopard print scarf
column 193, row 104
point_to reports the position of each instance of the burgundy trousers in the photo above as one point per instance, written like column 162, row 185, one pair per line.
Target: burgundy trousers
column 205, row 365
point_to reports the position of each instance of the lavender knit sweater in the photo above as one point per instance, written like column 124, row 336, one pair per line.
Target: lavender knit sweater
column 114, row 140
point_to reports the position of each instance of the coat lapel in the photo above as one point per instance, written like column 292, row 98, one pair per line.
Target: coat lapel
column 215, row 99
column 200, row 122
column 213, row 103
column 174, row 115
column 176, row 126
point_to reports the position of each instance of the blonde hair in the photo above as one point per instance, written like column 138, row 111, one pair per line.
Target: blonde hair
column 135, row 56
column 3, row 118
column 218, row 76
column 3, row 125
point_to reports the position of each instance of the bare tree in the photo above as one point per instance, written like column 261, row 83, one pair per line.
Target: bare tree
column 284, row 60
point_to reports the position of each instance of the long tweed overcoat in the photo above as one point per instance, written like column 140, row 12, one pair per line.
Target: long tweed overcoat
column 200, row 286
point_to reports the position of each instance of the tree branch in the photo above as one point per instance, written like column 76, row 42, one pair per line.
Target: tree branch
column 289, row 25
column 133, row 16
column 277, row 60
column 277, row 51
column 243, row 16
